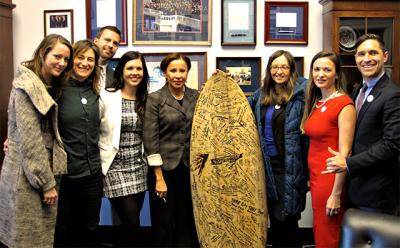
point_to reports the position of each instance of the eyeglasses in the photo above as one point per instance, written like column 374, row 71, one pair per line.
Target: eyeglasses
column 283, row 68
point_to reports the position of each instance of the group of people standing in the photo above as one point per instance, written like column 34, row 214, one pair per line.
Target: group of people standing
column 77, row 129
column 87, row 122
column 346, row 148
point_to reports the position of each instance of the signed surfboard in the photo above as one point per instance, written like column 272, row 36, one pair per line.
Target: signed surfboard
column 227, row 172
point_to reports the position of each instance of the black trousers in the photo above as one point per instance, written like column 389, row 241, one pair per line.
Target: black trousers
column 79, row 211
column 284, row 229
column 284, row 233
column 173, row 221
column 128, row 210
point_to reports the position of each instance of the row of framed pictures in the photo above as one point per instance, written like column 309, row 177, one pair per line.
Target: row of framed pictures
column 188, row 22
column 247, row 72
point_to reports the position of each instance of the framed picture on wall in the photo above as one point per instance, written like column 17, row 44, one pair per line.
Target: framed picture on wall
column 100, row 13
column 59, row 22
column 286, row 23
column 238, row 20
column 197, row 74
column 172, row 22
column 245, row 71
column 299, row 65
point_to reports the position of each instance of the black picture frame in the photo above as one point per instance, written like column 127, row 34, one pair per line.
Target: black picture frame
column 247, row 71
column 59, row 22
column 299, row 65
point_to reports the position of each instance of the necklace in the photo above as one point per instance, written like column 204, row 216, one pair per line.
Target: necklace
column 327, row 99
column 179, row 97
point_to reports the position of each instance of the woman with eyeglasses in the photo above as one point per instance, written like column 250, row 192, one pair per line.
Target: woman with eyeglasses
column 278, row 108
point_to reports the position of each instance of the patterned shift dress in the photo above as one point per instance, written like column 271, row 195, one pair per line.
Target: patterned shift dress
column 128, row 172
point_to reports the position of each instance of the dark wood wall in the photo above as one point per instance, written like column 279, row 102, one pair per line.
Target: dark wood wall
column 6, row 66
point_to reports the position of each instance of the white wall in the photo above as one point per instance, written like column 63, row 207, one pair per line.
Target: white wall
column 28, row 31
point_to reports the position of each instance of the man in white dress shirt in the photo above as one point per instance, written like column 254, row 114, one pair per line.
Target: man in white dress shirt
column 107, row 41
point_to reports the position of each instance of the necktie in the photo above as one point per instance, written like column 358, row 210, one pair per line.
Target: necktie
column 361, row 96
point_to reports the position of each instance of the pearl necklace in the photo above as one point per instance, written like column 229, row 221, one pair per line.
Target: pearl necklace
column 178, row 98
column 327, row 99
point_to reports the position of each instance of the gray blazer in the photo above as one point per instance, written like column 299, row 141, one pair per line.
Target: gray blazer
column 167, row 127
column 109, row 76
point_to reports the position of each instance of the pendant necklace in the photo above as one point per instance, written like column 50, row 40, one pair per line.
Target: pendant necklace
column 323, row 108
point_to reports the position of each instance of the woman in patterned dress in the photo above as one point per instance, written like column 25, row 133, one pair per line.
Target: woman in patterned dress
column 122, row 110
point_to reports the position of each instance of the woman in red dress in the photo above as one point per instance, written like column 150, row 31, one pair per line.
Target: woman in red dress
column 329, row 120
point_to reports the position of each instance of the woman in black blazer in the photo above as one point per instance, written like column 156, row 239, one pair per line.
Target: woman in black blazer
column 166, row 139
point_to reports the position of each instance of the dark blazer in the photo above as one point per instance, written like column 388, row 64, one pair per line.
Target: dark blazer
column 374, row 165
column 167, row 126
column 109, row 76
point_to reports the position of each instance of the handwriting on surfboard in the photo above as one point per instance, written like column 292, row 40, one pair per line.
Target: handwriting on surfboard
column 225, row 153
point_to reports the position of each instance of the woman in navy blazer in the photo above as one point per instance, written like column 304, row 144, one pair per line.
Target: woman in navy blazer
column 166, row 138
column 123, row 166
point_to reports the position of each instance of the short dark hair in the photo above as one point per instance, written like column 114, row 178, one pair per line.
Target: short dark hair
column 174, row 56
column 111, row 28
column 370, row 36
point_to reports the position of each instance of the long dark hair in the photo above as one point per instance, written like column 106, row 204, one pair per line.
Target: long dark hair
column 94, row 77
column 268, row 90
column 142, row 91
column 36, row 63
column 313, row 93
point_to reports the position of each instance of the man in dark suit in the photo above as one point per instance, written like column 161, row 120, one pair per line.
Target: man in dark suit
column 107, row 41
column 373, row 167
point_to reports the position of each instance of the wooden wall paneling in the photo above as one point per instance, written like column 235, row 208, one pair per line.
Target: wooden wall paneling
column 6, row 66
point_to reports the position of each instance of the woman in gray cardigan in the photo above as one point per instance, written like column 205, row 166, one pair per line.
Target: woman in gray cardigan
column 35, row 158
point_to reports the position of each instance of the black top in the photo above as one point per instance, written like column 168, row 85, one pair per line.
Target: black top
column 79, row 123
column 278, row 123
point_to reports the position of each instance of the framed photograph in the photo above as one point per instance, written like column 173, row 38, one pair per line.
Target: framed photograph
column 245, row 71
column 238, row 20
column 197, row 74
column 59, row 22
column 184, row 22
column 286, row 23
column 100, row 13
column 299, row 65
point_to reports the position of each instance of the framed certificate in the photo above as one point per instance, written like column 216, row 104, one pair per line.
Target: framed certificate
column 238, row 19
column 286, row 23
